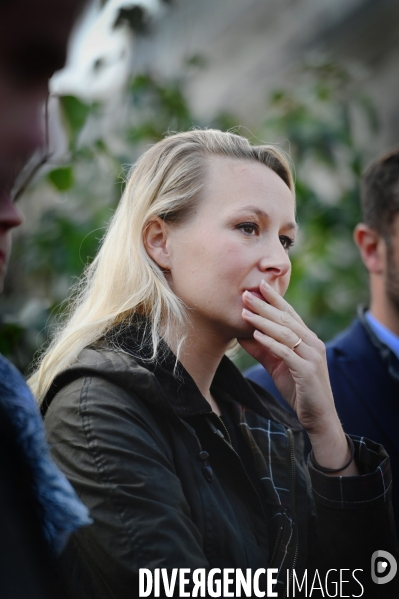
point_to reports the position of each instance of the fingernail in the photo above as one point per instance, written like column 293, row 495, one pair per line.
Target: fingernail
column 265, row 285
column 246, row 312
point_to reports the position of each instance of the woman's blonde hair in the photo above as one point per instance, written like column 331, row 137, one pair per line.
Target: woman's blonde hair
column 123, row 280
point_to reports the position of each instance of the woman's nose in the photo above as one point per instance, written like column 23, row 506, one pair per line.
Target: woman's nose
column 275, row 261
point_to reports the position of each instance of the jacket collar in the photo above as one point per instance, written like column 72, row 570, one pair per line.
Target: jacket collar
column 386, row 354
column 183, row 394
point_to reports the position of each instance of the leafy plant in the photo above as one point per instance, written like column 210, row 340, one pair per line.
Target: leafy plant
column 328, row 125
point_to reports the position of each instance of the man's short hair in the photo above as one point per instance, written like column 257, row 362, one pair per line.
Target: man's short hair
column 379, row 193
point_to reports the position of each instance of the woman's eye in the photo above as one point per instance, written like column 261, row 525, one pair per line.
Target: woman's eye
column 286, row 242
column 249, row 228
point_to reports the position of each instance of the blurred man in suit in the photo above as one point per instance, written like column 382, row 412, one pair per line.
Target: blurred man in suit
column 38, row 508
column 363, row 360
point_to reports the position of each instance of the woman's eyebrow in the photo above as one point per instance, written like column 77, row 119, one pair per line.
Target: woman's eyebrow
column 262, row 214
column 291, row 226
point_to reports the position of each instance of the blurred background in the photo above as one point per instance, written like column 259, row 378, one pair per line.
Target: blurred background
column 318, row 77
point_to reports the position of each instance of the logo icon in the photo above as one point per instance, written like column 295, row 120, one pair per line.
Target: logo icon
column 383, row 567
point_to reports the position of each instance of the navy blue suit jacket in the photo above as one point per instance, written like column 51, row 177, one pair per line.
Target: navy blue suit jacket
column 364, row 378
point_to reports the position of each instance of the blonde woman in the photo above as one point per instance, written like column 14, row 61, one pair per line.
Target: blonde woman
column 182, row 463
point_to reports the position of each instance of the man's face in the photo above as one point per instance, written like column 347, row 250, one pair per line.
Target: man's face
column 392, row 265
column 33, row 43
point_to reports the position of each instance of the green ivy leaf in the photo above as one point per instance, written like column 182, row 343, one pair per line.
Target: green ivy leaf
column 75, row 113
column 62, row 178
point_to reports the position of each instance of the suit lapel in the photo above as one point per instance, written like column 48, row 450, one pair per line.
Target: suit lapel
column 367, row 376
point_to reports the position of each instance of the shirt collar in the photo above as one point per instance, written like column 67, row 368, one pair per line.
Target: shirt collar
column 383, row 333
column 386, row 353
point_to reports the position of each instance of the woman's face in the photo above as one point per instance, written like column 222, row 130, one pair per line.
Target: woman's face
column 239, row 234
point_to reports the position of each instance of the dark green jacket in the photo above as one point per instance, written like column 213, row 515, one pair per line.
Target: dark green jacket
column 167, row 490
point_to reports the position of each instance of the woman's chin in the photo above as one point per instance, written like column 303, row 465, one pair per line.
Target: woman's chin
column 246, row 331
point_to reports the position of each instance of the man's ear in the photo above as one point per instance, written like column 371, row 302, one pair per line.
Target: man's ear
column 372, row 248
column 155, row 242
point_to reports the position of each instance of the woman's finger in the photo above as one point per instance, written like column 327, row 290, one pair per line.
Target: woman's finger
column 260, row 353
column 282, row 334
column 276, row 300
column 279, row 317
column 290, row 357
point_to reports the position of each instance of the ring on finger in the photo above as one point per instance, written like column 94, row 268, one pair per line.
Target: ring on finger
column 296, row 344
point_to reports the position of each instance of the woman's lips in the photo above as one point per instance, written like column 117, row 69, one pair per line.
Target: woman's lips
column 257, row 294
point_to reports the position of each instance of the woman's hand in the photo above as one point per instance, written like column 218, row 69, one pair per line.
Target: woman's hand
column 300, row 373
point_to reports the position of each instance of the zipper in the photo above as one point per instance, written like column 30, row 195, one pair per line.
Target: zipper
column 293, row 490
column 281, row 529
column 230, row 446
column 293, row 495
column 276, row 544
column 226, row 431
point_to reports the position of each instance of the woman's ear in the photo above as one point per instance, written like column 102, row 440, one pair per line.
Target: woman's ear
column 155, row 242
